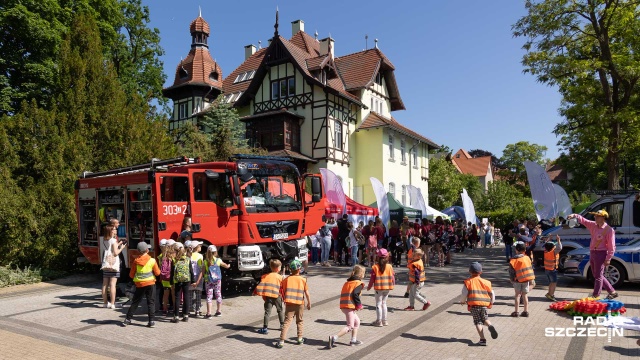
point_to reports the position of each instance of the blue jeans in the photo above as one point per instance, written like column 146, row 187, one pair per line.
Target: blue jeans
column 315, row 254
column 354, row 255
column 326, row 249
column 508, row 251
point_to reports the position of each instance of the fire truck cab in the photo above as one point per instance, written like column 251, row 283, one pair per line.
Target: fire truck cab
column 253, row 208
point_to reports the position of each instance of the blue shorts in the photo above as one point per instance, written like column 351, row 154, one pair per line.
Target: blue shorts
column 552, row 275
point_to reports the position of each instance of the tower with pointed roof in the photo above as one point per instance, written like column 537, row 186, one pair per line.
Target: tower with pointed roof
column 198, row 78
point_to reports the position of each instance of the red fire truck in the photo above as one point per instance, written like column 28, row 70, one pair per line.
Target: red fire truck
column 252, row 208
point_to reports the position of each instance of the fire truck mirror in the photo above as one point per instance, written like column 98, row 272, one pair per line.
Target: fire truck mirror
column 212, row 174
column 236, row 187
column 316, row 189
column 195, row 227
column 244, row 173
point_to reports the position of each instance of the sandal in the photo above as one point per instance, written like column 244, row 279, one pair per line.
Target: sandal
column 515, row 314
column 525, row 314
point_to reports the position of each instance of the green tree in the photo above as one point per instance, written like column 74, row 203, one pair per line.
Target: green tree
column 225, row 132
column 588, row 49
column 514, row 156
column 445, row 184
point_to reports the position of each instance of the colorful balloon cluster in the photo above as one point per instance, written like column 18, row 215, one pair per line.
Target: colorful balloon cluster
column 589, row 307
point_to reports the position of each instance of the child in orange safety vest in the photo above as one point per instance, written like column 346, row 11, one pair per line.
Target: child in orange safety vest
column 415, row 244
column 551, row 258
column 382, row 279
column 349, row 304
column 417, row 279
column 144, row 274
column 269, row 289
column 521, row 276
column 294, row 290
column 478, row 295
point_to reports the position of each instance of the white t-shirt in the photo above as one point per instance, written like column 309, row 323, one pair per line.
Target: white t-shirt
column 112, row 244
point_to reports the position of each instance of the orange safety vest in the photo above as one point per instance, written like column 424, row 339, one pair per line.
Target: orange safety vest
column 294, row 287
column 524, row 270
column 145, row 273
column 345, row 295
column 384, row 280
column 409, row 256
column 417, row 265
column 478, row 292
column 551, row 260
column 269, row 285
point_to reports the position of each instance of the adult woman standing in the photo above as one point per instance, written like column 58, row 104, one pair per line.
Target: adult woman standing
column 110, row 265
column 324, row 236
column 602, row 247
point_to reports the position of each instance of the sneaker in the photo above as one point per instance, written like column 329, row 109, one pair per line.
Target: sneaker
column 126, row 322
column 406, row 295
column 524, row 314
column 198, row 314
column 263, row 331
column 185, row 319
column 165, row 313
column 494, row 333
column 549, row 297
column 109, row 306
column 116, row 306
column 300, row 341
column 217, row 314
column 409, row 308
column 426, row 306
column 612, row 296
column 105, row 306
column 331, row 341
column 280, row 344
column 151, row 324
column 355, row 342
column 385, row 323
column 174, row 320
column 553, row 298
column 377, row 323
column 482, row 342
column 208, row 316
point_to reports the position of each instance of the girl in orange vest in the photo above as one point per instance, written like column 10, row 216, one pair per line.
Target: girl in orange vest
column 349, row 304
column 382, row 279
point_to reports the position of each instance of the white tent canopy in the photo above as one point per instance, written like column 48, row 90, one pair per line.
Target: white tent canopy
column 433, row 213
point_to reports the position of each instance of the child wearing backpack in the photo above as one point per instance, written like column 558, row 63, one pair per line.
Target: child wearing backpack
column 165, row 259
column 183, row 277
column 213, row 280
column 197, row 262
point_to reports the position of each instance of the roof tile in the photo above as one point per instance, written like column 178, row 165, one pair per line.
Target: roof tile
column 375, row 120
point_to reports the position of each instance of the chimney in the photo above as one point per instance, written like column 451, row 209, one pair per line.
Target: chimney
column 249, row 50
column 324, row 46
column 296, row 26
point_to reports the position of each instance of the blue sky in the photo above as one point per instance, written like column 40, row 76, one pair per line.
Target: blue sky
column 457, row 65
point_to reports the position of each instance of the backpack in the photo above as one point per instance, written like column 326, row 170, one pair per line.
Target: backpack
column 165, row 269
column 373, row 241
column 359, row 237
column 324, row 231
column 213, row 271
column 181, row 273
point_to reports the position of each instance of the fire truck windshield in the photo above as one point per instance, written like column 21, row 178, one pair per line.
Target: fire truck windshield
column 273, row 188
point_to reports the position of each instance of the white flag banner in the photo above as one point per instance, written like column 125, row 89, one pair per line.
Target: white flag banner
column 542, row 191
column 416, row 200
column 469, row 209
column 562, row 201
column 381, row 199
column 333, row 189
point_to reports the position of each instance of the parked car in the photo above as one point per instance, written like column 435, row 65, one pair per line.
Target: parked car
column 625, row 264
column 624, row 217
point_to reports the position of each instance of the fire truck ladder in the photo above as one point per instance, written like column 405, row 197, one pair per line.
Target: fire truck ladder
column 155, row 164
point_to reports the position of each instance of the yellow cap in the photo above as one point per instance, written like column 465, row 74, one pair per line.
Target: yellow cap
column 602, row 213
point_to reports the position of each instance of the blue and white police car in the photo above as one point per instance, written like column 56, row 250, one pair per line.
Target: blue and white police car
column 625, row 264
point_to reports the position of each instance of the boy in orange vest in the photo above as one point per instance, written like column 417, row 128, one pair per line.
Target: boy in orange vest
column 349, row 304
column 479, row 297
column 521, row 276
column 269, row 289
column 293, row 290
column 417, row 279
column 415, row 243
column 143, row 272
column 551, row 257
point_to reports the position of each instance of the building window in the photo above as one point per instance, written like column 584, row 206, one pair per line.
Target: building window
column 283, row 88
column 414, row 154
column 338, row 135
column 403, row 151
column 379, row 79
column 404, row 195
column 182, row 110
column 214, row 76
column 372, row 109
column 392, row 189
column 391, row 148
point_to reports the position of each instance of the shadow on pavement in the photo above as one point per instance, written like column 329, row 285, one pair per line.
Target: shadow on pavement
column 437, row 339
column 104, row 322
column 252, row 340
column 635, row 352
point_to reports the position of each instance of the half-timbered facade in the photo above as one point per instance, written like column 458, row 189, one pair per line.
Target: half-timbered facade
column 298, row 99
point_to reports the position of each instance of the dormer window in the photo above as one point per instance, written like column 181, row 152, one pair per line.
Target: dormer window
column 183, row 73
column 213, row 76
column 245, row 76
column 379, row 78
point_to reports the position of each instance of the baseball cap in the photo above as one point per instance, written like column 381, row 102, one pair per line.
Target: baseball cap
column 187, row 243
column 601, row 212
column 295, row 264
column 194, row 244
column 382, row 253
column 163, row 242
column 475, row 267
column 170, row 242
column 212, row 248
column 143, row 246
column 179, row 245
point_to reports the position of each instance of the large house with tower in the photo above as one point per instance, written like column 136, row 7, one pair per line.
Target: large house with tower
column 298, row 99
